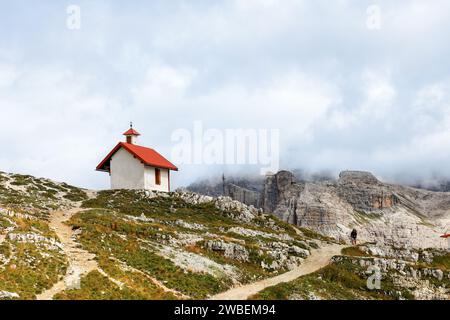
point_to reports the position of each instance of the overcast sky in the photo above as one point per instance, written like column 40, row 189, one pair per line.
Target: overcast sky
column 344, row 94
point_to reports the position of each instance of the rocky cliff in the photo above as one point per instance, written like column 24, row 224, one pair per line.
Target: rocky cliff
column 246, row 196
column 246, row 189
column 392, row 214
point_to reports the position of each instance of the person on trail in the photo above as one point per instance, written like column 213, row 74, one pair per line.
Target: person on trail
column 353, row 236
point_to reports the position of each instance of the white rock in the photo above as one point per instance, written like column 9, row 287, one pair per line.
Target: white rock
column 8, row 295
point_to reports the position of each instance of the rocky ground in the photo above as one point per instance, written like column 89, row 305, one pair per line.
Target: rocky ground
column 370, row 272
column 319, row 259
column 61, row 242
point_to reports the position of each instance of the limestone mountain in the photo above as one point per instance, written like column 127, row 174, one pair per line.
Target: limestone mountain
column 388, row 213
column 245, row 189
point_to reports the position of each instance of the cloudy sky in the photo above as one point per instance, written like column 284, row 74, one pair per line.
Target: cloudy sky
column 345, row 91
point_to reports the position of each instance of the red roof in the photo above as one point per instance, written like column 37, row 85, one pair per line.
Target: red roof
column 148, row 156
column 131, row 132
column 446, row 235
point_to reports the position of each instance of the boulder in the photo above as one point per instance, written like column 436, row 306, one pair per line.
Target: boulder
column 8, row 295
column 230, row 250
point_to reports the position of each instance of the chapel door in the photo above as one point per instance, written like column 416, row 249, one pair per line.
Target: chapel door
column 157, row 176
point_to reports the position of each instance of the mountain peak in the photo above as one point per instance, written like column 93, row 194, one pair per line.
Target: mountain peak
column 358, row 176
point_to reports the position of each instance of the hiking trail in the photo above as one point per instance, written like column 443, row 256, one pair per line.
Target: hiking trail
column 318, row 259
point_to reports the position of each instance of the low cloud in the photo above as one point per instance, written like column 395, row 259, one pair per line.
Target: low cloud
column 342, row 96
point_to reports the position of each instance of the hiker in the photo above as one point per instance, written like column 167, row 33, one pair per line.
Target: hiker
column 353, row 236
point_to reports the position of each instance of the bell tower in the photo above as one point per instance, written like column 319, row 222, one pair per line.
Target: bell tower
column 131, row 135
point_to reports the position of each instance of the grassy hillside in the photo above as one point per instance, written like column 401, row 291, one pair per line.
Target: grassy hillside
column 36, row 196
column 147, row 246
column 31, row 258
column 166, row 237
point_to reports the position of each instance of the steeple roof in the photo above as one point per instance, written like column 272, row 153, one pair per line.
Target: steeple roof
column 131, row 132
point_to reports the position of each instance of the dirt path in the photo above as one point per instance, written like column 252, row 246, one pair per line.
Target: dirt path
column 318, row 259
column 81, row 262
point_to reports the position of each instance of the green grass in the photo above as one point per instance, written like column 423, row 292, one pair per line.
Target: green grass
column 35, row 195
column 29, row 273
column 107, row 219
column 135, row 281
column 315, row 235
column 95, row 286
column 337, row 281
column 32, row 267
column 135, row 203
column 4, row 223
column 441, row 261
column 366, row 217
column 251, row 270
column 109, row 233
column 99, row 236
column 5, row 249
column 355, row 251
column 21, row 180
